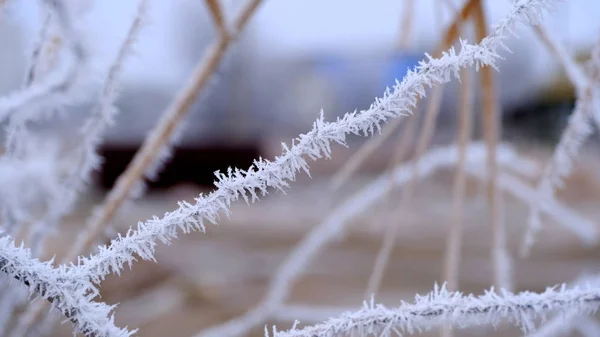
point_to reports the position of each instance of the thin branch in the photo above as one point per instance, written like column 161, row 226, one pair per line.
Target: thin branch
column 72, row 296
column 159, row 138
column 424, row 139
column 573, row 70
column 453, row 308
column 578, row 130
column 391, row 229
column 402, row 148
column 217, row 14
column 492, row 133
column 53, row 87
column 406, row 26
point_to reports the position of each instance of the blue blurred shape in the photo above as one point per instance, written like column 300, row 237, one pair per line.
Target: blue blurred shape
column 397, row 67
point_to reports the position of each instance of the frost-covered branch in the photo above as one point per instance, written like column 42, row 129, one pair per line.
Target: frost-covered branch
column 54, row 89
column 27, row 185
column 573, row 70
column 70, row 294
column 564, row 323
column 578, row 130
column 315, row 144
column 453, row 308
column 87, row 159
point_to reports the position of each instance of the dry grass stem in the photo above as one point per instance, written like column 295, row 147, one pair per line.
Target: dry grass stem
column 160, row 135
column 492, row 130
column 217, row 14
column 425, row 137
column 391, row 228
column 454, row 241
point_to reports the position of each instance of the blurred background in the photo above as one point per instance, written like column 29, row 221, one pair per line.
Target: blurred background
column 295, row 58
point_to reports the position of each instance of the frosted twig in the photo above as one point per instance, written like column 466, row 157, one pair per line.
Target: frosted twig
column 70, row 294
column 400, row 152
column 391, row 228
column 578, row 130
column 492, row 130
column 573, row 71
column 453, row 308
column 53, row 87
column 30, row 187
column 423, row 142
column 38, row 46
column 454, row 240
column 26, row 186
column 564, row 323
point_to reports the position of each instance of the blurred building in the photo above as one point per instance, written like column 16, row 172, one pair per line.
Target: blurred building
column 296, row 57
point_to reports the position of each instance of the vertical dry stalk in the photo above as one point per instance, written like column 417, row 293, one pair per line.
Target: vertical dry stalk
column 217, row 14
column 43, row 59
column 406, row 26
column 358, row 157
column 161, row 134
column 346, row 171
column 453, row 245
column 492, row 131
column 37, row 49
column 454, row 241
column 433, row 108
column 372, row 144
column 389, row 238
column 406, row 140
column 464, row 134
column 159, row 137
